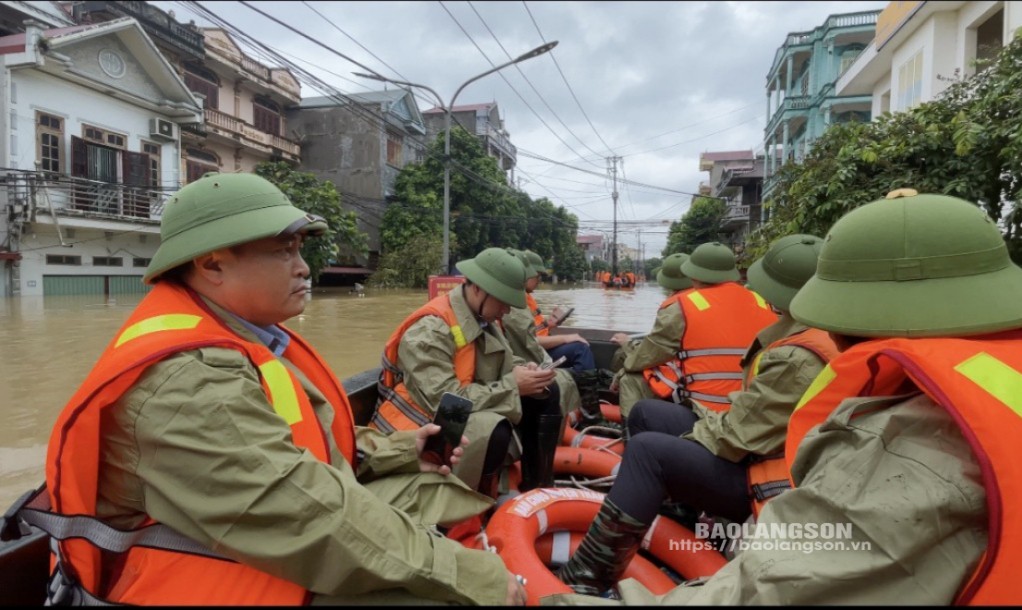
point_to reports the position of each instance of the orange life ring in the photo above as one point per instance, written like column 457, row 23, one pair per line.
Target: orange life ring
column 611, row 412
column 585, row 462
column 555, row 548
column 515, row 526
column 573, row 438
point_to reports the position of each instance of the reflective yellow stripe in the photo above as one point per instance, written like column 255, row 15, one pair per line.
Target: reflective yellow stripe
column 755, row 363
column 822, row 381
column 282, row 391
column 759, row 300
column 459, row 337
column 699, row 301
column 173, row 321
column 996, row 378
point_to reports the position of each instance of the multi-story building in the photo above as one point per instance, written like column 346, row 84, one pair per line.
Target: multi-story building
column 484, row 121
column 244, row 102
column 737, row 177
column 90, row 119
column 593, row 247
column 360, row 143
column 801, row 98
column 920, row 47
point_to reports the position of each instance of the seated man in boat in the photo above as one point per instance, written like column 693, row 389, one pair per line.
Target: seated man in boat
column 572, row 346
column 725, row 463
column 526, row 329
column 905, row 447
column 454, row 344
column 698, row 338
column 207, row 416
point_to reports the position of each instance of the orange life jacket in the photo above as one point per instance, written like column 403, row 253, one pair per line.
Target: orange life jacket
column 169, row 320
column 542, row 329
column 978, row 381
column 721, row 321
column 768, row 475
column 395, row 409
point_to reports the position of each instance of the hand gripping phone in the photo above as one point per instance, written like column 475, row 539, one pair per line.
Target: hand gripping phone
column 451, row 415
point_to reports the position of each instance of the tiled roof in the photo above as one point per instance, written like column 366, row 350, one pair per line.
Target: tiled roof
column 15, row 43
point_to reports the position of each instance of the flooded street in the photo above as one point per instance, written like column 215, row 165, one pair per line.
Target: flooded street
column 49, row 344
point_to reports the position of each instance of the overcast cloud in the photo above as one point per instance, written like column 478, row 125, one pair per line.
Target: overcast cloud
column 660, row 82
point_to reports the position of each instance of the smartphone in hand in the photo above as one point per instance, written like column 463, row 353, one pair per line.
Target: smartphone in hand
column 451, row 415
column 551, row 365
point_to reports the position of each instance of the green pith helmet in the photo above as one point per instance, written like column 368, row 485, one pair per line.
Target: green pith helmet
column 711, row 263
column 913, row 266
column 789, row 263
column 670, row 276
column 530, row 271
column 223, row 210
column 499, row 273
column 536, row 261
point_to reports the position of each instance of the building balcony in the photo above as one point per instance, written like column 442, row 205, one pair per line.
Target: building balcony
column 270, row 80
column 791, row 107
column 34, row 193
column 154, row 21
column 234, row 129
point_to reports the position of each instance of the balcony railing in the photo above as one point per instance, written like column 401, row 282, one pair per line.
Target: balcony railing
column 237, row 126
column 737, row 212
column 252, row 69
column 154, row 20
column 71, row 196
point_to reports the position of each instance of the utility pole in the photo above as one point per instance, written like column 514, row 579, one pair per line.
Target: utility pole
column 638, row 264
column 612, row 162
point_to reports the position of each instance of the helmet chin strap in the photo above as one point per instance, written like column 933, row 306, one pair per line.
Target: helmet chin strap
column 479, row 313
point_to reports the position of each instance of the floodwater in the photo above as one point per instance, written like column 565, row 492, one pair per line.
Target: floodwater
column 49, row 344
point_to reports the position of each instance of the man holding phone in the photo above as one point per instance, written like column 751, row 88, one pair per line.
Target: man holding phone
column 453, row 344
column 528, row 332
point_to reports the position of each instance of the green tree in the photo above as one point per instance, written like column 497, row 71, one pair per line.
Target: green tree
column 649, row 265
column 965, row 143
column 318, row 197
column 700, row 224
column 411, row 265
column 571, row 265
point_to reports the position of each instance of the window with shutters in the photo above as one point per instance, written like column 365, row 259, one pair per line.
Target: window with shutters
column 199, row 162
column 155, row 152
column 204, row 81
column 266, row 115
column 394, row 143
column 109, row 180
column 49, row 142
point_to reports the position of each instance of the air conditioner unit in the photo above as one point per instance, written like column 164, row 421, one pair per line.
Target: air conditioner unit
column 162, row 129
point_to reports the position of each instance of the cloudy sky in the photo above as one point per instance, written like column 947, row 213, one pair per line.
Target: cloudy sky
column 653, row 83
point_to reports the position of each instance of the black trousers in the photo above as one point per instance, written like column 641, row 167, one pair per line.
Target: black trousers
column 658, row 465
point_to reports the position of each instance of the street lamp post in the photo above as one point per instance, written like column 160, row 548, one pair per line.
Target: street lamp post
column 446, row 262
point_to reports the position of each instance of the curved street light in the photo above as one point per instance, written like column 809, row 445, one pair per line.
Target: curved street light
column 446, row 262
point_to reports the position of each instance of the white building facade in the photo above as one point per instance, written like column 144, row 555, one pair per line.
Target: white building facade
column 90, row 148
column 921, row 47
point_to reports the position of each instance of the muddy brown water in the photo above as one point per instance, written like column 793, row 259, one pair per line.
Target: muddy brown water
column 48, row 345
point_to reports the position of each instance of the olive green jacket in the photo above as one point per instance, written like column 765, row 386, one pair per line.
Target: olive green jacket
column 902, row 475
column 659, row 346
column 757, row 420
column 520, row 331
column 196, row 445
column 426, row 358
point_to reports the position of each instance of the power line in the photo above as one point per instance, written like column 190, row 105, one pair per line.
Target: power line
column 566, row 83
column 527, row 105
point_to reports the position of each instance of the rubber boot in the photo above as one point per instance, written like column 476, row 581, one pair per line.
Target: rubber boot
column 605, row 552
column 538, row 453
column 588, row 383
